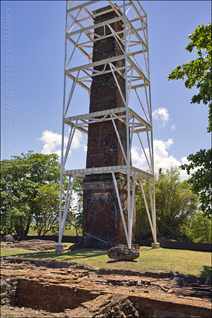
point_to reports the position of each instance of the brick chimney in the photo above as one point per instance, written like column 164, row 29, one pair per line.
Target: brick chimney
column 101, row 214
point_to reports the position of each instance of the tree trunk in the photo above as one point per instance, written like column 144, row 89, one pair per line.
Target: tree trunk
column 19, row 230
column 206, row 232
column 26, row 231
column 76, row 231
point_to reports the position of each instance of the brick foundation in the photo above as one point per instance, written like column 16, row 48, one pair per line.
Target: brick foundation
column 51, row 297
column 82, row 292
column 156, row 308
column 57, row 298
column 101, row 214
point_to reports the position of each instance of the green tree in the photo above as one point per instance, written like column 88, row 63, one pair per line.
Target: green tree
column 142, row 228
column 30, row 189
column 200, row 179
column 74, row 216
column 47, row 204
column 198, row 228
column 175, row 203
column 21, row 177
column 197, row 73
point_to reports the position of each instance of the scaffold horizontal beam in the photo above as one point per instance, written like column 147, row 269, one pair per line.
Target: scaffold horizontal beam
column 90, row 65
column 83, row 4
column 94, row 116
column 98, row 25
column 81, row 173
column 105, row 61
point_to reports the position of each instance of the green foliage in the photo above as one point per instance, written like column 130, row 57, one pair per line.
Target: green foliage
column 74, row 216
column 21, row 178
column 200, row 179
column 175, row 203
column 47, row 204
column 30, row 189
column 142, row 230
column 198, row 229
column 197, row 73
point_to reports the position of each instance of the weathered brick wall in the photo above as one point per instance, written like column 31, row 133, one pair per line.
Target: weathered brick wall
column 156, row 308
column 101, row 214
column 101, row 211
column 57, row 298
column 55, row 286
column 51, row 297
column 103, row 144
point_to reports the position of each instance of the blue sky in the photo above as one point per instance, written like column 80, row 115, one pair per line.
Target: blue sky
column 33, row 68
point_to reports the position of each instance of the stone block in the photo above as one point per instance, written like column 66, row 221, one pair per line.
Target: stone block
column 155, row 245
column 8, row 238
column 58, row 248
column 123, row 253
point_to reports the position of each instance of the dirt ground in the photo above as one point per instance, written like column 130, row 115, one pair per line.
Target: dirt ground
column 34, row 245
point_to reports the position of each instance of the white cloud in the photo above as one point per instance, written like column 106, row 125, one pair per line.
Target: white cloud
column 53, row 141
column 184, row 160
column 161, row 115
column 138, row 158
column 162, row 158
column 173, row 127
column 77, row 140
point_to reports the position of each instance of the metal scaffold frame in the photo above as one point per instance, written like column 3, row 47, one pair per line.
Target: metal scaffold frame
column 133, row 42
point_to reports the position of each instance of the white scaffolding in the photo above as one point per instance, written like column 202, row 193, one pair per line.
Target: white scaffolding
column 133, row 42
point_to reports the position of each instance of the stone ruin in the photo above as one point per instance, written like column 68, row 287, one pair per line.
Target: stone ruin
column 41, row 288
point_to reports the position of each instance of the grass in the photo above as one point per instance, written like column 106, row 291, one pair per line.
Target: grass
column 70, row 232
column 182, row 261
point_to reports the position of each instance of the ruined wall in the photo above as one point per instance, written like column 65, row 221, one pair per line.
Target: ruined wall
column 56, row 286
column 58, row 297
column 50, row 297
column 156, row 308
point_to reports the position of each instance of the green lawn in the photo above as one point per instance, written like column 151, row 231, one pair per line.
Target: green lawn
column 183, row 261
column 70, row 232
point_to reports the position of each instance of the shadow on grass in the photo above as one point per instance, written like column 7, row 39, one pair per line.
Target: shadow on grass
column 122, row 261
column 206, row 271
column 64, row 256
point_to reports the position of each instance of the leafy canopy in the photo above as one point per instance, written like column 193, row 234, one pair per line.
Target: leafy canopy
column 197, row 73
column 175, row 203
column 198, row 229
column 201, row 178
column 21, row 178
column 30, row 190
column 47, row 204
